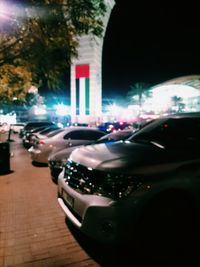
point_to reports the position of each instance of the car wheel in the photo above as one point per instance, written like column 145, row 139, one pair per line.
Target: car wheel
column 169, row 228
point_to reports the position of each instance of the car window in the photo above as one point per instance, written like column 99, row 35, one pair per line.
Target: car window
column 92, row 135
column 174, row 132
column 49, row 129
column 83, row 135
column 37, row 124
column 146, row 131
column 76, row 135
column 37, row 129
column 182, row 129
column 51, row 134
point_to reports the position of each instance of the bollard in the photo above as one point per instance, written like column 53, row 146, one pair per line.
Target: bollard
column 4, row 158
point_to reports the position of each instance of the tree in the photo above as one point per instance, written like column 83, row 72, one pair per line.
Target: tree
column 177, row 103
column 138, row 93
column 42, row 35
column 14, row 83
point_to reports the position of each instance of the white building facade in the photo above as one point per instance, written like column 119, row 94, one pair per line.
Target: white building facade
column 86, row 76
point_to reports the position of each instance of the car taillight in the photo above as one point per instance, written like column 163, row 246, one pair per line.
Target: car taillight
column 41, row 142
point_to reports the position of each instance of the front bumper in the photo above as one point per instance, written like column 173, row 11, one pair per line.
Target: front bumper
column 98, row 217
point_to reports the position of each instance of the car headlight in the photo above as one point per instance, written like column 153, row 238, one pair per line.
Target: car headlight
column 117, row 185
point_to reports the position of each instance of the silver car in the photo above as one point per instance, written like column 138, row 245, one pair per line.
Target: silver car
column 33, row 136
column 57, row 160
column 145, row 189
column 60, row 139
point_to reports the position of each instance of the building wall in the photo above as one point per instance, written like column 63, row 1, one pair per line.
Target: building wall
column 89, row 53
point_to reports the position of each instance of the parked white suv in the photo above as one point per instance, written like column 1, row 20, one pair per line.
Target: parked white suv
column 145, row 189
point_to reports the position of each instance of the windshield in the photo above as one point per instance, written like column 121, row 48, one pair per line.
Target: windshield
column 121, row 135
column 170, row 132
column 49, row 129
column 147, row 130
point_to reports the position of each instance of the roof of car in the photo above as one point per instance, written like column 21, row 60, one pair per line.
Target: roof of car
column 74, row 128
column 184, row 114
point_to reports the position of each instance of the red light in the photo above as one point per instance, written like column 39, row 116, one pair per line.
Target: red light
column 41, row 142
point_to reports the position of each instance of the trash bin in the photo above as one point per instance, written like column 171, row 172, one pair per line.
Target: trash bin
column 4, row 157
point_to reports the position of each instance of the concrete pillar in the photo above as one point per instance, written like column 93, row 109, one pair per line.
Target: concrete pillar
column 86, row 76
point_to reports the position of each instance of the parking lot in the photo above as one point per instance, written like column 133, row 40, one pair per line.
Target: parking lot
column 33, row 231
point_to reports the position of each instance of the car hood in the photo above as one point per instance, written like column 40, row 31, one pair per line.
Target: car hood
column 128, row 156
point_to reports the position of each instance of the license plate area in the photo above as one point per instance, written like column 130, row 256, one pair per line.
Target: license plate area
column 68, row 199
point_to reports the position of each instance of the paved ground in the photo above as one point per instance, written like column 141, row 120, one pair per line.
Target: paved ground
column 33, row 232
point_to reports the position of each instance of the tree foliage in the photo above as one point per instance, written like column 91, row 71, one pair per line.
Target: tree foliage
column 14, row 83
column 177, row 104
column 138, row 92
column 42, row 35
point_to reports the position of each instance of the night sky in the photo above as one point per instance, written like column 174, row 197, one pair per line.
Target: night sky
column 149, row 43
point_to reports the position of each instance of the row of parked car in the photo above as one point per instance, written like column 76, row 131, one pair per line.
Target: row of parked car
column 51, row 145
column 139, row 187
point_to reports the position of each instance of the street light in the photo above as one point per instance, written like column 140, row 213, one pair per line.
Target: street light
column 11, row 12
column 6, row 12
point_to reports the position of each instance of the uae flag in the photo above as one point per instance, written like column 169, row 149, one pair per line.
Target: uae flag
column 82, row 89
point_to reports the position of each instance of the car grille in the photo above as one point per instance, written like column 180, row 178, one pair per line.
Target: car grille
column 79, row 177
column 89, row 181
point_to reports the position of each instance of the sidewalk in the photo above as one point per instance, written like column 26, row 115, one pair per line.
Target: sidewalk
column 33, row 232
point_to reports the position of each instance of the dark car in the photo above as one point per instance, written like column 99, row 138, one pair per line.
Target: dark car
column 34, row 124
column 144, row 191
column 110, row 127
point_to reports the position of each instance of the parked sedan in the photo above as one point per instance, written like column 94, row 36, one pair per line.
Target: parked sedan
column 56, row 161
column 30, row 136
column 60, row 139
column 144, row 191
